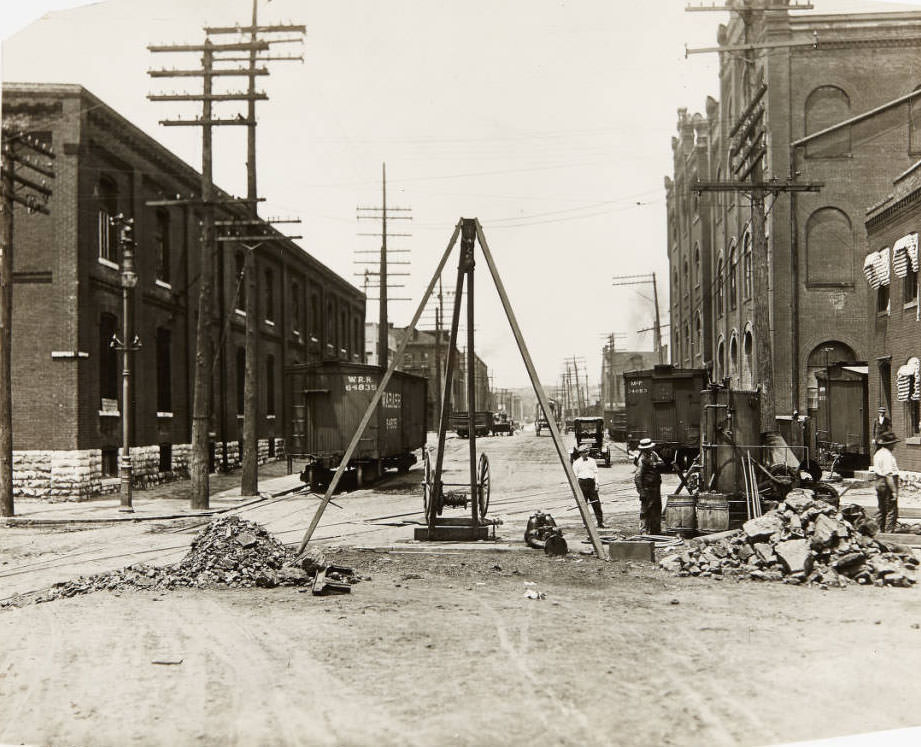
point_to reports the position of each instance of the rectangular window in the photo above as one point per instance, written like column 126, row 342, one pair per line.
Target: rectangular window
column 161, row 246
column 912, row 416
column 910, row 286
column 269, row 296
column 104, row 235
column 882, row 300
column 270, row 385
column 164, row 371
column 110, row 462
column 166, row 457
column 108, row 359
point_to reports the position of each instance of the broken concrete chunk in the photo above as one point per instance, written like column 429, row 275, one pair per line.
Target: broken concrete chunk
column 799, row 500
column 827, row 531
column 763, row 526
column 795, row 555
column 765, row 551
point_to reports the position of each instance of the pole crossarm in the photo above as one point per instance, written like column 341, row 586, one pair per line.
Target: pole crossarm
column 237, row 71
column 217, row 30
column 241, row 96
column 257, row 238
column 228, row 46
column 206, row 122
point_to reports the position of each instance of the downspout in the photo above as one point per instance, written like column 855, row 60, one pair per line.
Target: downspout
column 794, row 295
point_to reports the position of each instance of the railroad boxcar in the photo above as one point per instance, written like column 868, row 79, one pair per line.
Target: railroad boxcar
column 841, row 418
column 329, row 400
column 664, row 403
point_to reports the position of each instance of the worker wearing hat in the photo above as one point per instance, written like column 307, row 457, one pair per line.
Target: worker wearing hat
column 887, row 481
column 648, row 483
column 586, row 470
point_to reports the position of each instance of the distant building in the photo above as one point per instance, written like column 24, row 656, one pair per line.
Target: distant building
column 372, row 343
column 67, row 305
column 815, row 295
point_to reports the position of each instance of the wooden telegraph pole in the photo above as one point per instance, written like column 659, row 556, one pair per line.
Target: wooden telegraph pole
column 20, row 150
column 258, row 36
column 383, row 262
column 204, row 353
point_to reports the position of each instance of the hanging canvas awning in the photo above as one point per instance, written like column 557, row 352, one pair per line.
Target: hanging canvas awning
column 882, row 266
column 905, row 255
column 908, row 381
column 869, row 269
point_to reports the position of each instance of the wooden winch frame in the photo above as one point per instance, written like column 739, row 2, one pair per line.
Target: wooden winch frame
column 471, row 233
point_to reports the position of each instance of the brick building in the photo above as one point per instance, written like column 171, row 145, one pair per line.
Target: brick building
column 815, row 294
column 892, row 310
column 67, row 306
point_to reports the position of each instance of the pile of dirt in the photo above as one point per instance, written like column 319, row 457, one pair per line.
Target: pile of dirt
column 229, row 552
column 803, row 540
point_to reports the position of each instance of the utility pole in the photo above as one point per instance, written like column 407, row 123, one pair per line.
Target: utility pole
column 204, row 353
column 25, row 190
column 375, row 213
column 249, row 477
column 128, row 344
column 647, row 279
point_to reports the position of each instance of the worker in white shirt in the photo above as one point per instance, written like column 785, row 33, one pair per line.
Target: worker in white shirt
column 586, row 471
column 887, row 481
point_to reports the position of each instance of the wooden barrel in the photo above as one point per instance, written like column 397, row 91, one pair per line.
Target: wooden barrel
column 680, row 517
column 712, row 512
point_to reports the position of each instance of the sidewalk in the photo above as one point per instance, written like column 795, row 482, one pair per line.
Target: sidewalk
column 168, row 501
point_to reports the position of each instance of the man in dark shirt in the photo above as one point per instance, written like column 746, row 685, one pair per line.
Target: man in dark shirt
column 882, row 424
column 648, row 483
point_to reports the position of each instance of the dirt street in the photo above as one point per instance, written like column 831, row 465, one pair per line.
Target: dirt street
column 441, row 646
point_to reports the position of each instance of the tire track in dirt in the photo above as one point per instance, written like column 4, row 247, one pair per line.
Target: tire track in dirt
column 518, row 657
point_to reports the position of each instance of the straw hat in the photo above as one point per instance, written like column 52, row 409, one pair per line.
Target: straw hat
column 646, row 443
column 886, row 438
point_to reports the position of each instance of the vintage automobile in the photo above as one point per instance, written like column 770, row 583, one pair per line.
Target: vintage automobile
column 590, row 432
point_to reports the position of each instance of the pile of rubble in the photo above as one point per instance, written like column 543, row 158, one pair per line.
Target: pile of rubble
column 802, row 540
column 229, row 552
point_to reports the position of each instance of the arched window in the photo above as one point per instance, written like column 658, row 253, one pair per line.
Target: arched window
column 699, row 333
column 747, row 264
column 827, row 106
column 719, row 286
column 330, row 325
column 734, row 355
column 697, row 262
column 687, row 277
column 106, row 209
column 343, row 332
column 829, row 248
column 747, row 349
column 356, row 338
column 687, row 340
column 720, row 361
column 732, row 270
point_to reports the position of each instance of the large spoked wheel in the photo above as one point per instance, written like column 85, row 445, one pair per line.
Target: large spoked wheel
column 483, row 485
column 427, row 487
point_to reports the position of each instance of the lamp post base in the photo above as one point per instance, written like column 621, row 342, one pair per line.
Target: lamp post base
column 125, row 473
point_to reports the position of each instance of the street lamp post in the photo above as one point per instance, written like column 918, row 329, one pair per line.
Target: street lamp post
column 128, row 344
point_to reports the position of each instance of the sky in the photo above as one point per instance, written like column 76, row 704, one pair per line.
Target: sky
column 549, row 120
